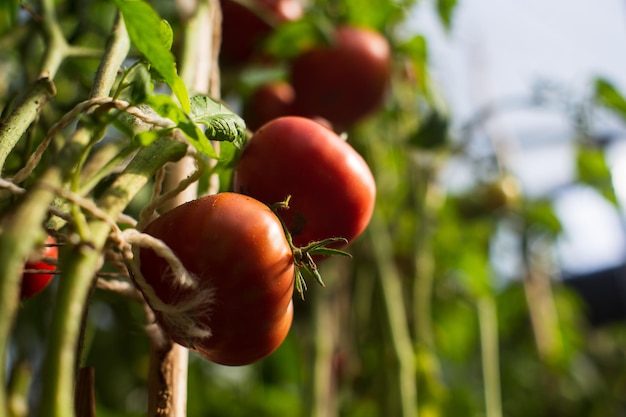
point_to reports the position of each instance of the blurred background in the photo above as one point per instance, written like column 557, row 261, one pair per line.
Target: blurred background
column 491, row 280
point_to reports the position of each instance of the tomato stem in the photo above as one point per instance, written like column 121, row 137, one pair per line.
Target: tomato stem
column 303, row 257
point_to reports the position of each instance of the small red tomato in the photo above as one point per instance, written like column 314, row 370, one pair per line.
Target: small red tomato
column 268, row 102
column 236, row 249
column 331, row 187
column 35, row 282
column 345, row 81
column 244, row 28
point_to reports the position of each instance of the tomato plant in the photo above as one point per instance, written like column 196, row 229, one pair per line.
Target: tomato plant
column 34, row 282
column 267, row 102
column 244, row 27
column 345, row 81
column 331, row 187
column 236, row 248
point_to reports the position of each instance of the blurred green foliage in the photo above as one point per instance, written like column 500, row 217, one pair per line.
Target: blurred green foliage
column 340, row 358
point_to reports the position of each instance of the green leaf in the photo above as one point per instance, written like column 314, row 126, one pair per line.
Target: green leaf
column 167, row 34
column 222, row 124
column 147, row 137
column 593, row 170
column 607, row 95
column 152, row 38
column 166, row 107
column 540, row 216
column 445, row 8
column 8, row 14
column 432, row 132
column 416, row 49
column 377, row 14
column 292, row 38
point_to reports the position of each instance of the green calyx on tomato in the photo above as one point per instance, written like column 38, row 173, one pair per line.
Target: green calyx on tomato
column 303, row 257
column 331, row 186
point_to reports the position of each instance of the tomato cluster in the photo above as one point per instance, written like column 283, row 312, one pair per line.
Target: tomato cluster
column 342, row 82
column 297, row 185
column 242, row 256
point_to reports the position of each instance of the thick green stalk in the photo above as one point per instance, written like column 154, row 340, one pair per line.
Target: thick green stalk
column 79, row 268
column 391, row 285
column 27, row 109
column 20, row 230
column 488, row 322
column 22, row 224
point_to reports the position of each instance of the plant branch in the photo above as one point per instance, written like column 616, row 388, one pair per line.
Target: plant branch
column 79, row 269
column 390, row 282
column 167, row 386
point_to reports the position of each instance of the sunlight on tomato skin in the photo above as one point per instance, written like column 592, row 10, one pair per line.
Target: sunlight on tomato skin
column 331, row 186
column 343, row 82
column 34, row 283
column 236, row 246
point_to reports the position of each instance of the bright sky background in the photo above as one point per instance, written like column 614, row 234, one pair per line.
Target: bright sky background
column 498, row 49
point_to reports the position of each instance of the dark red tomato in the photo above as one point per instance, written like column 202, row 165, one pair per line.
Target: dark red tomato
column 236, row 248
column 35, row 282
column 343, row 82
column 268, row 102
column 244, row 28
column 331, row 187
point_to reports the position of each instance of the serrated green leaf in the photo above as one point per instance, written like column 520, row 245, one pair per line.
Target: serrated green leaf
column 607, row 95
column 166, row 107
column 149, row 35
column 222, row 124
column 593, row 170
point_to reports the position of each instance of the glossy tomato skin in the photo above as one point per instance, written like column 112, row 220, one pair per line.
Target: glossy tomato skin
column 33, row 283
column 243, row 30
column 268, row 102
column 345, row 81
column 235, row 246
column 331, row 187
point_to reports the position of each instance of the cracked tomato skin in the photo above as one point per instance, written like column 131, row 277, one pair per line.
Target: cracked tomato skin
column 33, row 283
column 331, row 187
column 236, row 246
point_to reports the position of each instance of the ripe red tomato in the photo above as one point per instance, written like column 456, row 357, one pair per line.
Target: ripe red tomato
column 35, row 282
column 244, row 28
column 331, row 187
column 235, row 246
column 267, row 102
column 345, row 81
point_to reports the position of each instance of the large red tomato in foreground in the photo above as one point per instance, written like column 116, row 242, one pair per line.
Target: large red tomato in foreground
column 235, row 246
column 343, row 82
column 331, row 187
column 245, row 28
column 35, row 282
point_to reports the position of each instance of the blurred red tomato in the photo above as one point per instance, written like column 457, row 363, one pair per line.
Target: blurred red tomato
column 345, row 81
